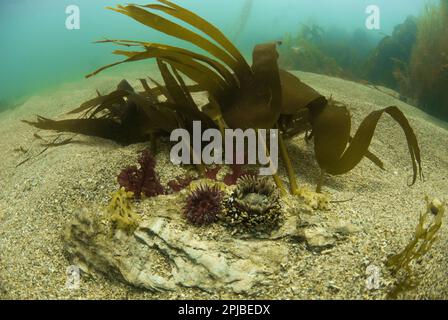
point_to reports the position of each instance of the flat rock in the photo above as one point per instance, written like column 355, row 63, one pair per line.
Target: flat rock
column 344, row 228
column 165, row 254
column 318, row 238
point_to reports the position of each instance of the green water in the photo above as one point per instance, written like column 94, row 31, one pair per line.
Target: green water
column 38, row 52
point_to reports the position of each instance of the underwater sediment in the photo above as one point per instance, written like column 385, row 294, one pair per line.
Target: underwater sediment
column 136, row 222
column 41, row 196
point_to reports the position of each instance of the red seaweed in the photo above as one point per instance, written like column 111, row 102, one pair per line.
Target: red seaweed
column 237, row 172
column 180, row 183
column 143, row 180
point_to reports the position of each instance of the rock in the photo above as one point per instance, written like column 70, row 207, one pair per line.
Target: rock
column 308, row 220
column 319, row 234
column 287, row 229
column 343, row 227
column 165, row 254
column 318, row 238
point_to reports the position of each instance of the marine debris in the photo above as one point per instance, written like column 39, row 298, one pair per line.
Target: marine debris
column 261, row 96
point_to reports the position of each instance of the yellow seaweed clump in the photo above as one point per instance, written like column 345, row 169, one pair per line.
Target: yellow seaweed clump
column 315, row 200
column 425, row 235
column 121, row 211
column 424, row 238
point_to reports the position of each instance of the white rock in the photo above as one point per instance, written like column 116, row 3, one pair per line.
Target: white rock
column 163, row 254
column 318, row 238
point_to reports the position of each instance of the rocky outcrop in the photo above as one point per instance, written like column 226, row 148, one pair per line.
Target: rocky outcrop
column 164, row 253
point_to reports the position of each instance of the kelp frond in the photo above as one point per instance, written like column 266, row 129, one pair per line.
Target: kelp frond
column 228, row 53
column 242, row 68
column 338, row 153
column 123, row 115
column 155, row 50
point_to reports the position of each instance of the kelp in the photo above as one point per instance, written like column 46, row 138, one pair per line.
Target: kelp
column 331, row 52
column 338, row 153
column 122, row 115
column 391, row 54
column 260, row 96
column 127, row 116
column 241, row 105
column 428, row 66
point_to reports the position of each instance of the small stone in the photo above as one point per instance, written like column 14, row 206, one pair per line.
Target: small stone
column 309, row 220
column 318, row 238
column 345, row 228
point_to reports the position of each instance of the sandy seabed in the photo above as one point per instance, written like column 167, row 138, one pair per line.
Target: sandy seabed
column 40, row 196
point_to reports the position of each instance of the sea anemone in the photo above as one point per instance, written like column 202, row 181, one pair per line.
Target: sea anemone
column 237, row 172
column 253, row 206
column 204, row 205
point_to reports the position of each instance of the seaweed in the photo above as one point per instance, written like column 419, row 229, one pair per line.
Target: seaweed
column 237, row 172
column 212, row 173
column 333, row 52
column 263, row 94
column 260, row 96
column 338, row 153
column 180, row 183
column 121, row 212
column 303, row 52
column 142, row 180
column 391, row 54
column 426, row 233
column 127, row 116
column 428, row 67
column 122, row 115
column 46, row 144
